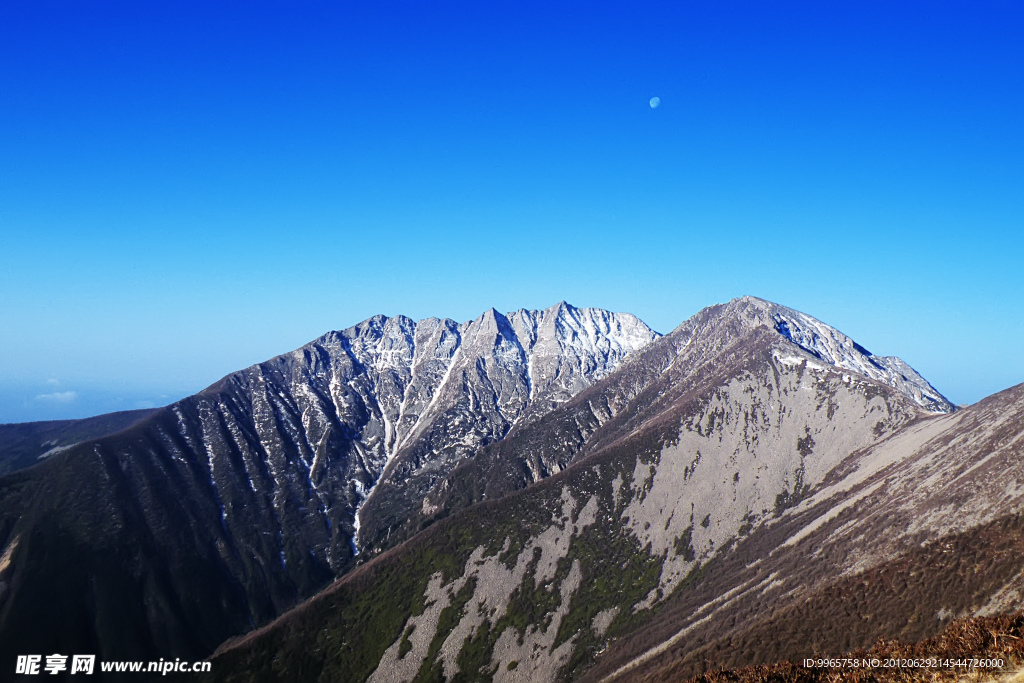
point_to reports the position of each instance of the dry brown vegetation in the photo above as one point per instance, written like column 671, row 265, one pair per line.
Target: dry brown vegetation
column 998, row 637
column 899, row 599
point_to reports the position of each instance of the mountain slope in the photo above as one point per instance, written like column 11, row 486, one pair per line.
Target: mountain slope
column 24, row 444
column 688, row 359
column 212, row 515
column 923, row 527
column 667, row 468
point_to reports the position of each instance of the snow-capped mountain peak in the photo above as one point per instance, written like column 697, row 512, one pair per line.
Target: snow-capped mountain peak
column 838, row 350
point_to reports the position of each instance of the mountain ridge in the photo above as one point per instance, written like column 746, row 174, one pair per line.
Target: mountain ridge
column 592, row 441
column 23, row 444
column 658, row 471
column 742, row 316
column 251, row 485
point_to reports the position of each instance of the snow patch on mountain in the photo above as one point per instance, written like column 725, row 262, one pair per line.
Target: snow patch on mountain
column 838, row 350
column 438, row 390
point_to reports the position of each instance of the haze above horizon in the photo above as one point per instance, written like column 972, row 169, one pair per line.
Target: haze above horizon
column 189, row 189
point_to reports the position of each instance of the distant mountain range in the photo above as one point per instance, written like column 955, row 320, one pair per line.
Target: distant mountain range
column 25, row 444
column 546, row 495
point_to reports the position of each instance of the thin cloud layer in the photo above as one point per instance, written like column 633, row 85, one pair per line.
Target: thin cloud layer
column 58, row 397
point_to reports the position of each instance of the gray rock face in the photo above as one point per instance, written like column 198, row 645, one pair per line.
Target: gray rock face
column 919, row 527
column 838, row 350
column 453, row 389
column 378, row 412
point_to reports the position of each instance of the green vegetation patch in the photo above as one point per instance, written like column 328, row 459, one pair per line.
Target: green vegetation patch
column 446, row 623
column 684, row 545
column 529, row 605
column 788, row 499
column 406, row 645
column 617, row 572
column 366, row 615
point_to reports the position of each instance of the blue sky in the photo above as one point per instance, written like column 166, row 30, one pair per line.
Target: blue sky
column 187, row 189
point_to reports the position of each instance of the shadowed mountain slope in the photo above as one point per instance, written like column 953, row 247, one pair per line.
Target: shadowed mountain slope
column 24, row 444
column 213, row 514
column 967, row 649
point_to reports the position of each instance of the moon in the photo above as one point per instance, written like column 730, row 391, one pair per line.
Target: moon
column 655, row 101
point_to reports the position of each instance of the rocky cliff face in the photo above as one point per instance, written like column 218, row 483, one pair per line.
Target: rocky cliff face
column 217, row 512
column 642, row 512
column 468, row 386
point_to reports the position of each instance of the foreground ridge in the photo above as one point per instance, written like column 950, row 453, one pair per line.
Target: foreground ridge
column 953, row 655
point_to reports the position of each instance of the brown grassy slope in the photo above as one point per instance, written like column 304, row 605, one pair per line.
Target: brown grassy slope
column 905, row 598
column 996, row 637
column 960, row 480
